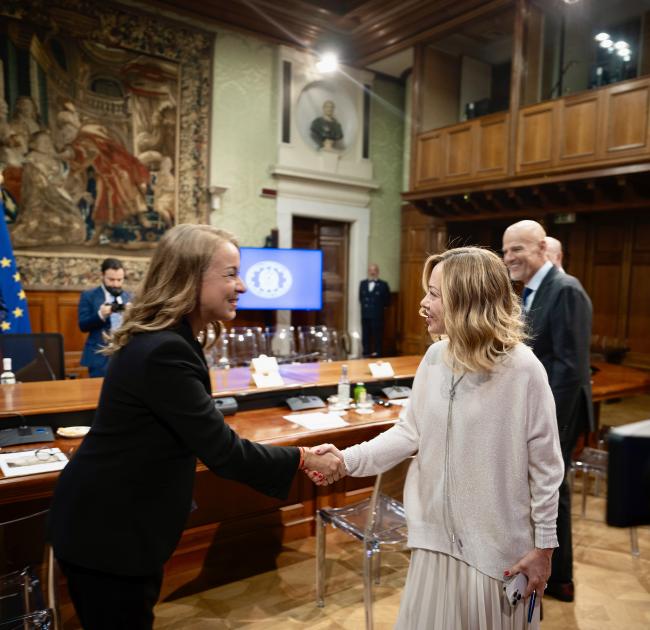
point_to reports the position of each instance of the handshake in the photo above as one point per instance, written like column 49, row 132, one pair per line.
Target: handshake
column 323, row 464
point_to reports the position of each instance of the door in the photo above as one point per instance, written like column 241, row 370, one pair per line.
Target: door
column 332, row 237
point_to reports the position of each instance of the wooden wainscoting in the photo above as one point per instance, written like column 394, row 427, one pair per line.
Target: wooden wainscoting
column 422, row 235
column 56, row 311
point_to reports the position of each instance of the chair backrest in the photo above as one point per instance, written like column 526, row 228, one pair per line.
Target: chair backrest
column 34, row 356
column 243, row 345
column 319, row 343
column 27, row 568
column 386, row 519
column 281, row 342
column 39, row 620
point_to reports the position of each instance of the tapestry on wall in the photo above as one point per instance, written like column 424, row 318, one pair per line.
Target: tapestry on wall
column 104, row 119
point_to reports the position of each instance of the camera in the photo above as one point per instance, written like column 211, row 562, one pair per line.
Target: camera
column 117, row 305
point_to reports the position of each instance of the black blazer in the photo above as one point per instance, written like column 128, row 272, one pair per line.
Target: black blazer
column 122, row 502
column 374, row 302
column 559, row 322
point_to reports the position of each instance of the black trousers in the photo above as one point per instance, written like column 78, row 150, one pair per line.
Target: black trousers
column 105, row 601
column 372, row 331
column 562, row 562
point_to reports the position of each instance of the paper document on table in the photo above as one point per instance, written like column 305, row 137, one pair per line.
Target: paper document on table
column 317, row 420
column 17, row 463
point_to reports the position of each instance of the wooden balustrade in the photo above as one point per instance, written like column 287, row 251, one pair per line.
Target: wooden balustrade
column 608, row 126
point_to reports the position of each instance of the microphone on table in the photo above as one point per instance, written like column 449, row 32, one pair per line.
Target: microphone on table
column 48, row 365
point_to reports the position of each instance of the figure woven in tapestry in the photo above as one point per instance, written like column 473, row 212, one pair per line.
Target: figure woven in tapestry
column 88, row 143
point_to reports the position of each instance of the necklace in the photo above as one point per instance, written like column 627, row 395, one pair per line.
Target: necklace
column 448, row 514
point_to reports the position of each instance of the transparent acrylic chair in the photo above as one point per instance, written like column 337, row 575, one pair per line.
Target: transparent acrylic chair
column 243, row 345
column 594, row 461
column 28, row 576
column 377, row 522
column 318, row 343
column 40, row 620
column 281, row 342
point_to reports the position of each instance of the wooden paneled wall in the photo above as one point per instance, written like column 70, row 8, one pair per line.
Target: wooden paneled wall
column 421, row 236
column 56, row 311
column 608, row 252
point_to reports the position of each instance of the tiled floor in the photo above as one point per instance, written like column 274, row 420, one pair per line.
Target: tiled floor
column 612, row 587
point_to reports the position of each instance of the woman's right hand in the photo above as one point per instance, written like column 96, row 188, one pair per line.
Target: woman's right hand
column 324, row 464
column 536, row 566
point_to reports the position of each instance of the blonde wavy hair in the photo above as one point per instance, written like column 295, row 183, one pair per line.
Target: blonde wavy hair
column 482, row 313
column 171, row 287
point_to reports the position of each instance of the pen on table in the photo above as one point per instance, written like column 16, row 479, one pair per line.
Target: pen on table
column 531, row 605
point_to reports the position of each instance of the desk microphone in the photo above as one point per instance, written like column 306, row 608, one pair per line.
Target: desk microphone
column 48, row 365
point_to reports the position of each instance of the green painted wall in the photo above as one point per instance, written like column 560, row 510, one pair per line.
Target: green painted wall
column 244, row 146
column 244, row 134
column 386, row 153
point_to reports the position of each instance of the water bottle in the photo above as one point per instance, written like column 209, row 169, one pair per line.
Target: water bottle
column 7, row 377
column 343, row 391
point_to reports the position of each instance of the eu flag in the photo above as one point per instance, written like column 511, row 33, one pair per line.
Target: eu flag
column 11, row 291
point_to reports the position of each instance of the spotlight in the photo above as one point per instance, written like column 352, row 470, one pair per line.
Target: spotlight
column 623, row 52
column 329, row 62
column 606, row 43
column 621, row 45
column 601, row 37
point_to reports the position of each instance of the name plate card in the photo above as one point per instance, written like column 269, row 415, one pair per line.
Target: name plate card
column 381, row 369
column 265, row 372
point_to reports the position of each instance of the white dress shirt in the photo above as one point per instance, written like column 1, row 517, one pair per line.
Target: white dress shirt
column 534, row 282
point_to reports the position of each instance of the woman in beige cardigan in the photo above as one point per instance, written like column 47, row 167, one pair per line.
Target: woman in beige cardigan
column 481, row 495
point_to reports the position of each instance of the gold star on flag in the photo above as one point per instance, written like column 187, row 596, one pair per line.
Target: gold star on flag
column 5, row 325
column 18, row 312
column 5, row 262
column 21, row 294
column 16, row 277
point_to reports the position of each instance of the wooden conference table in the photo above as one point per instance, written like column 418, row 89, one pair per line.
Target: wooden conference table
column 230, row 516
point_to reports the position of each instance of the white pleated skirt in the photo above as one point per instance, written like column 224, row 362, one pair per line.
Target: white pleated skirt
column 443, row 593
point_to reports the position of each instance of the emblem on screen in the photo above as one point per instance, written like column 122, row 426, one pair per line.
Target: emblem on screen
column 268, row 279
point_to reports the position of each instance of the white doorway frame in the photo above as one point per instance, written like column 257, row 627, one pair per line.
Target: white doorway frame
column 359, row 220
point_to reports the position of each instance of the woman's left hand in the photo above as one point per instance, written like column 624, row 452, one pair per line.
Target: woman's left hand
column 536, row 566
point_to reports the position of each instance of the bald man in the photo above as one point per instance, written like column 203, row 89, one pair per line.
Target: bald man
column 554, row 252
column 558, row 314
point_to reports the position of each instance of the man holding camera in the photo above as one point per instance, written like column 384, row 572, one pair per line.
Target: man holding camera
column 101, row 310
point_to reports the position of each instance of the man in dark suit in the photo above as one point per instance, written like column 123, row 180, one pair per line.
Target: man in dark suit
column 101, row 310
column 374, row 295
column 558, row 313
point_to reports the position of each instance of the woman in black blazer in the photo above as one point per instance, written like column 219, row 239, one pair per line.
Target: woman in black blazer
column 121, row 503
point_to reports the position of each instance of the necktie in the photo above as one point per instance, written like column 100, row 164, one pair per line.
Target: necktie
column 526, row 293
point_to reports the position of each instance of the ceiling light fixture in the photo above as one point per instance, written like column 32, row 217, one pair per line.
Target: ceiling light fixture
column 328, row 62
column 619, row 45
column 601, row 37
column 606, row 43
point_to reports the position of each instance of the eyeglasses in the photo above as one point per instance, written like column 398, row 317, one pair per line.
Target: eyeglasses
column 45, row 455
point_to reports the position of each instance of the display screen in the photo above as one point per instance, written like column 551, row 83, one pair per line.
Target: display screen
column 281, row 278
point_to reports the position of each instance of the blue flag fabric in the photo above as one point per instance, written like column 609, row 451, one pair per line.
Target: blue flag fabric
column 16, row 319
